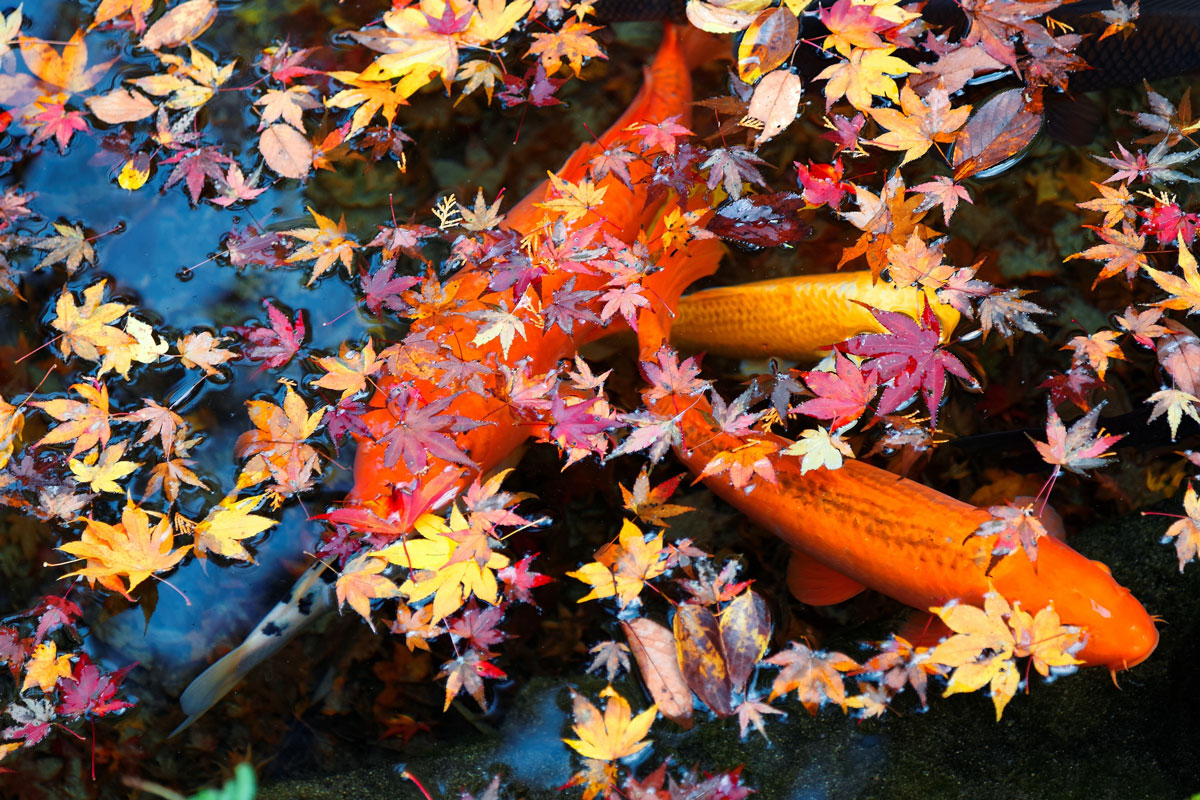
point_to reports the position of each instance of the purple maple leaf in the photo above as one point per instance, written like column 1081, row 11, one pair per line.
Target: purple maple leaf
column 419, row 431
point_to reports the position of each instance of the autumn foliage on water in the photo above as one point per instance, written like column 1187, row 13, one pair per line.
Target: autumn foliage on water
column 102, row 463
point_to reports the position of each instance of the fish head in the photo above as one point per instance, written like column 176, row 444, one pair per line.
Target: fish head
column 1120, row 633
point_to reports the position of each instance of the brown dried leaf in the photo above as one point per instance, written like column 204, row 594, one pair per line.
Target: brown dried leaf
column 654, row 648
column 997, row 131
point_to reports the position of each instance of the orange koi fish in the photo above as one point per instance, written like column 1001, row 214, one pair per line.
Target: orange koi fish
column 861, row 527
column 387, row 489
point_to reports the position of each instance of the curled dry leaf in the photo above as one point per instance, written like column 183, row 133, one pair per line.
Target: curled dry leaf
column 180, row 25
column 767, row 43
column 654, row 648
column 775, row 102
column 997, row 131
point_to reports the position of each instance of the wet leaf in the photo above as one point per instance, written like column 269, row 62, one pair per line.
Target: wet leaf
column 997, row 131
column 698, row 642
column 654, row 649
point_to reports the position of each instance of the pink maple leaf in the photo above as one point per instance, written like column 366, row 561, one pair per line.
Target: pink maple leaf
column 662, row 134
column 841, row 397
column 273, row 344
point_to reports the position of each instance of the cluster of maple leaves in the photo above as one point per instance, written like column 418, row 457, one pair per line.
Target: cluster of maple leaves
column 437, row 553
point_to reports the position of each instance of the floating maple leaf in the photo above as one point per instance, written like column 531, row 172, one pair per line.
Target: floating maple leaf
column 273, row 344
column 130, row 548
column 1078, row 449
column 909, row 359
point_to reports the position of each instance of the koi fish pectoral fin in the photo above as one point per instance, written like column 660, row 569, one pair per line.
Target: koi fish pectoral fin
column 814, row 583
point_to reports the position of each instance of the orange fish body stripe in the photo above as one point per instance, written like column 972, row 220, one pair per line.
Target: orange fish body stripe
column 666, row 92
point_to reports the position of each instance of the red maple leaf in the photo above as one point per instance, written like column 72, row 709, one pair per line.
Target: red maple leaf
column 274, row 344
column 90, row 691
column 822, row 183
column 196, row 165
column 841, row 397
column 477, row 626
column 661, row 134
column 520, row 579
column 908, row 359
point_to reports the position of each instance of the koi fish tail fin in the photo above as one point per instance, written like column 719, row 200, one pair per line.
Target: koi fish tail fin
column 677, row 272
column 309, row 599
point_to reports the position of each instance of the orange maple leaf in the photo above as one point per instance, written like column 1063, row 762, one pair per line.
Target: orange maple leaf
column 131, row 548
column 571, row 44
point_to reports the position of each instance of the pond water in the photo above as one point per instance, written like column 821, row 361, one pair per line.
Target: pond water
column 338, row 708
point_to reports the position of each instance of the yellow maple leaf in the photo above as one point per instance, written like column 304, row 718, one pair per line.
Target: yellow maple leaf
column 278, row 446
column 371, row 97
column 451, row 581
column 227, row 524
column 819, row 449
column 496, row 19
column 131, row 548
column 612, row 735
column 575, row 200
column 360, row 583
column 1042, row 636
column 326, row 243
column 621, row 568
column 140, row 346
column 866, row 74
column 1185, row 291
column 45, row 667
column 572, row 43
column 86, row 329
column 83, row 422
column 919, row 122
column 349, row 370
column 101, row 471
column 478, row 74
column 416, row 52
column 12, row 421
column 981, row 651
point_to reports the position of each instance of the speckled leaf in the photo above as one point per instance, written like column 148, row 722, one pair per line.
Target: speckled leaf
column 745, row 634
column 698, row 642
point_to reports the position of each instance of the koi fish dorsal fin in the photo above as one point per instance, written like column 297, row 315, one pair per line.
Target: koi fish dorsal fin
column 816, row 584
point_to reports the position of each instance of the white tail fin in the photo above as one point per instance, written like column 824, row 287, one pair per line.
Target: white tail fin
column 308, row 600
